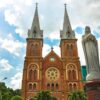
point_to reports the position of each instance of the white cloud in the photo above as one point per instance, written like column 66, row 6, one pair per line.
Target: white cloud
column 80, row 49
column 4, row 3
column 11, row 45
column 5, row 65
column 57, row 50
column 97, row 30
column 46, row 49
column 20, row 14
column 54, row 35
column 16, row 15
column 16, row 81
column 10, row 17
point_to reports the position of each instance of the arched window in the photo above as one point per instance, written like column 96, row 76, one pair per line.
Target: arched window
column 71, row 72
column 30, row 86
column 48, row 86
column 74, row 74
column 71, row 46
column 69, row 75
column 57, row 86
column 52, row 86
column 35, row 74
column 30, row 75
column 70, row 49
column 74, row 87
column 68, row 46
column 32, row 50
column 35, row 31
column 68, row 32
column 70, row 87
column 34, row 86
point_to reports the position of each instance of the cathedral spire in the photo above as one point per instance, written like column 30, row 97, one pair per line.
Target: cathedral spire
column 35, row 22
column 35, row 31
column 67, row 32
column 66, row 23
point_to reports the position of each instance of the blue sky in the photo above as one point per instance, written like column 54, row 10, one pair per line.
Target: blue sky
column 16, row 18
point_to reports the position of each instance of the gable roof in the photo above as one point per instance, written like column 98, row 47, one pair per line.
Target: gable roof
column 51, row 54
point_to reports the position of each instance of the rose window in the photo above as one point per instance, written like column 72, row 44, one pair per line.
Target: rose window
column 52, row 73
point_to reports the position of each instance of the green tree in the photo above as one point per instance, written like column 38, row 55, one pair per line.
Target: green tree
column 77, row 95
column 53, row 98
column 44, row 95
column 16, row 98
column 7, row 93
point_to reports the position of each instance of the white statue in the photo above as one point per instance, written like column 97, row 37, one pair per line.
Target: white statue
column 90, row 47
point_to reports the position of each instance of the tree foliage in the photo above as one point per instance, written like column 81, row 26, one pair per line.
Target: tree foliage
column 44, row 95
column 77, row 95
column 16, row 98
column 7, row 93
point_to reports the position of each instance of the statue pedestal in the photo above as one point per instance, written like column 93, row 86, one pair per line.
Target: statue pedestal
column 93, row 90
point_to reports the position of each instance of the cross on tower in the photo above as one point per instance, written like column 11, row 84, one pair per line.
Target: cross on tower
column 65, row 5
column 51, row 48
column 36, row 4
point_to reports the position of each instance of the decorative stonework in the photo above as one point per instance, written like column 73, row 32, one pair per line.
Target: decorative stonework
column 52, row 74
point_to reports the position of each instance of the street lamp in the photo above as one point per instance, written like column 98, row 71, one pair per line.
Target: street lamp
column 3, row 79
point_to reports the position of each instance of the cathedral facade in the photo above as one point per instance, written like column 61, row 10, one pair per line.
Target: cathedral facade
column 59, row 74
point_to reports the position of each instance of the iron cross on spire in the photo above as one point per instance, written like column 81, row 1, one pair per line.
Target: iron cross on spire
column 65, row 5
column 36, row 4
column 52, row 48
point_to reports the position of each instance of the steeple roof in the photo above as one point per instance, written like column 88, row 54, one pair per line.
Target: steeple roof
column 66, row 23
column 35, row 22
column 67, row 31
column 35, row 31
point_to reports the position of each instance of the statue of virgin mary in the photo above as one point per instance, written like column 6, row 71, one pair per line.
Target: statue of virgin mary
column 90, row 48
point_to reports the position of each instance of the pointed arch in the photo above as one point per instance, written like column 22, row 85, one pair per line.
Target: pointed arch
column 74, row 86
column 35, row 29
column 52, row 86
column 70, row 87
column 57, row 86
column 30, row 86
column 48, row 86
column 32, row 50
column 71, row 50
column 34, row 32
column 73, row 74
column 68, row 46
column 35, row 74
column 69, row 75
column 30, row 75
column 34, row 86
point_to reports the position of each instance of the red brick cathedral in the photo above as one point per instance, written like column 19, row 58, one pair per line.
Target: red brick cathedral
column 60, row 75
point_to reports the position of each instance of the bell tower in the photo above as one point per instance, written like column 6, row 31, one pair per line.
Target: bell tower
column 69, row 56
column 31, row 82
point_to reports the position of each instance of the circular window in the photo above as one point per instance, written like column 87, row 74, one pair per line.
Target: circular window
column 52, row 59
column 52, row 73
